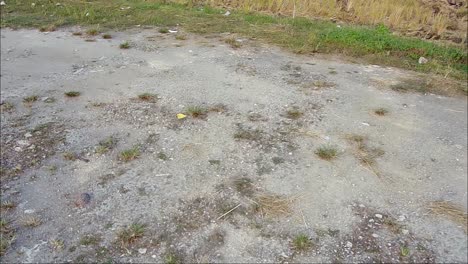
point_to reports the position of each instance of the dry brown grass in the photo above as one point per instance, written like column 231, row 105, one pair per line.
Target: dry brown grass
column 398, row 14
column 273, row 205
column 364, row 153
column 451, row 211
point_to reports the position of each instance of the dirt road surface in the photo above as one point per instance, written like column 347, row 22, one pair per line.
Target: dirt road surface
column 281, row 158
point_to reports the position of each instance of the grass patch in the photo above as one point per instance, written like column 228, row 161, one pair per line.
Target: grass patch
column 49, row 28
column 32, row 221
column 163, row 30
column 381, row 111
column 366, row 155
column 90, row 240
column 70, row 156
column 294, row 113
column 7, row 205
column 248, row 134
column 148, row 97
column 327, row 152
column 451, row 211
column 129, row 154
column 92, row 32
column 30, row 99
column 301, row 243
column 107, row 36
column 72, row 94
column 233, row 42
column 162, row 156
column 273, row 205
column 57, row 244
column 106, row 145
column 197, row 111
column 130, row 234
column 7, row 107
column 172, row 258
column 181, row 37
column 244, row 186
column 373, row 44
column 124, row 45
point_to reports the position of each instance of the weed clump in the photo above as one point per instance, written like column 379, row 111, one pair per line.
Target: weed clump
column 248, row 134
column 233, row 42
column 72, row 94
column 301, row 243
column 92, row 32
column 106, row 145
column 131, row 234
column 148, row 97
column 163, row 30
column 327, row 152
column 294, row 113
column 124, row 45
column 129, row 154
column 381, row 111
column 30, row 99
column 196, row 111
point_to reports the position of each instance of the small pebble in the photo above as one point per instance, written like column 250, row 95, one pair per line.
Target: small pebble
column 375, row 235
column 142, row 250
column 378, row 216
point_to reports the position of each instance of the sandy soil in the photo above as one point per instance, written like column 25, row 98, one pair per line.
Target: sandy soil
column 242, row 181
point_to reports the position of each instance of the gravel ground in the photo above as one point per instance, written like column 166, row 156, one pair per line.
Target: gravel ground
column 107, row 176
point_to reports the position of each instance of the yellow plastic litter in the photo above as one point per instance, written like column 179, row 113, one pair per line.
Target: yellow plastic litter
column 181, row 116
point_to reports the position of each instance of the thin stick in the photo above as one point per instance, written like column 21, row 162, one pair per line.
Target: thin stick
column 162, row 175
column 228, row 212
column 303, row 219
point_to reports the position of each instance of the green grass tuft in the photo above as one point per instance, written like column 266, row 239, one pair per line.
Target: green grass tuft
column 129, row 154
column 124, row 45
column 301, row 243
column 131, row 234
column 163, row 30
column 72, row 94
column 30, row 99
column 327, row 152
column 196, row 111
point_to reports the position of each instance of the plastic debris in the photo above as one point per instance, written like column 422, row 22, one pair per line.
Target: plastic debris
column 181, row 116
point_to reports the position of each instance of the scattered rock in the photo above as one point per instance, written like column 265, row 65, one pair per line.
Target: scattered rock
column 227, row 13
column 142, row 250
column 423, row 60
column 349, row 244
column 375, row 235
column 2, row 3
column 29, row 211
column 83, row 200
column 23, row 143
column 405, row 231
column 18, row 149
column 28, row 135
column 401, row 218
column 378, row 216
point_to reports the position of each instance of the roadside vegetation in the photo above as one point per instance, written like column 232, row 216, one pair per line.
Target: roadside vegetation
column 372, row 44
